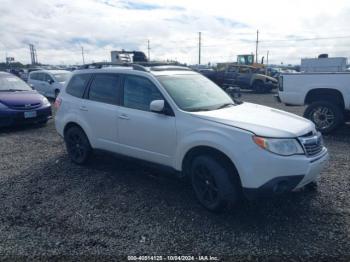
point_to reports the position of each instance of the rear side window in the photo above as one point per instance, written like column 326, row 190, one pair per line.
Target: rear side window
column 77, row 84
column 139, row 92
column 105, row 88
column 35, row 76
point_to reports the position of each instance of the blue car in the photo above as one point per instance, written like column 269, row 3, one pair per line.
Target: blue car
column 20, row 104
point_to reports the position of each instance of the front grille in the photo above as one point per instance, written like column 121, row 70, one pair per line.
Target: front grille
column 313, row 144
column 25, row 106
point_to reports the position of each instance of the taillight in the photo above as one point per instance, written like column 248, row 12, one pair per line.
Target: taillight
column 58, row 103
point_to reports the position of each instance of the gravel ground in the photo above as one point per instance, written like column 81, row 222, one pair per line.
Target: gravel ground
column 113, row 208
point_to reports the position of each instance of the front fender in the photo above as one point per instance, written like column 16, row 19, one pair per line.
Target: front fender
column 231, row 142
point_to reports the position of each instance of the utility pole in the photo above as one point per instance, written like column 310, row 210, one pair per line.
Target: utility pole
column 267, row 58
column 257, row 44
column 149, row 51
column 33, row 55
column 82, row 54
column 199, row 47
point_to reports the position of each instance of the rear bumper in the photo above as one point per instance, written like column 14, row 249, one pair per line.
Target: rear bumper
column 10, row 117
column 277, row 98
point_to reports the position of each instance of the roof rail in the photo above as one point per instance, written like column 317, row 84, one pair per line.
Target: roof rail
column 100, row 65
column 140, row 66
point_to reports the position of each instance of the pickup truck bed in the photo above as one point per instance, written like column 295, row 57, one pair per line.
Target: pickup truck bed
column 327, row 96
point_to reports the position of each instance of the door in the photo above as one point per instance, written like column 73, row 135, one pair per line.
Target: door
column 49, row 85
column 244, row 77
column 100, row 110
column 230, row 78
column 44, row 85
column 35, row 80
column 144, row 134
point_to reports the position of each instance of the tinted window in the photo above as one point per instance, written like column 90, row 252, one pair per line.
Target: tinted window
column 104, row 88
column 47, row 77
column 77, row 84
column 40, row 77
column 34, row 76
column 139, row 92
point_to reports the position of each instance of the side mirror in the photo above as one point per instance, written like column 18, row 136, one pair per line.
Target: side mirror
column 32, row 86
column 50, row 81
column 157, row 106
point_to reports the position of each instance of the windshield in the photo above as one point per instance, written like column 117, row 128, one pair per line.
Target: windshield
column 61, row 77
column 195, row 92
column 12, row 83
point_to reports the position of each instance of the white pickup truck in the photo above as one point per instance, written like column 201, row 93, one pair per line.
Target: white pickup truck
column 327, row 96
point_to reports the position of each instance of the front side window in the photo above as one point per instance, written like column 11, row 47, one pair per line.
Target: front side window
column 77, row 85
column 47, row 78
column 139, row 92
column 105, row 88
column 195, row 92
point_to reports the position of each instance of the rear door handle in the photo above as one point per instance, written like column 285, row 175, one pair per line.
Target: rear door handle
column 123, row 116
column 83, row 108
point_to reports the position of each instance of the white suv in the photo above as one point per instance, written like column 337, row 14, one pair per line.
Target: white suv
column 175, row 117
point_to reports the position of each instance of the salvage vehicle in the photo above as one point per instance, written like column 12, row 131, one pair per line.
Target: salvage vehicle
column 19, row 104
column 175, row 117
column 246, row 77
column 48, row 82
column 326, row 95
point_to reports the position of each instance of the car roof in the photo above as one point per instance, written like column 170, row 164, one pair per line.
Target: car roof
column 50, row 71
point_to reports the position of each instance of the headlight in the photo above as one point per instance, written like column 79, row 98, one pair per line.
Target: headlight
column 280, row 146
column 45, row 101
column 2, row 106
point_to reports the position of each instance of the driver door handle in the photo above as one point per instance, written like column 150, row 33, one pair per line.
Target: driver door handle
column 83, row 108
column 124, row 116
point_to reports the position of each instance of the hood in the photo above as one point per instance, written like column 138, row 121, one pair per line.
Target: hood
column 261, row 120
column 20, row 98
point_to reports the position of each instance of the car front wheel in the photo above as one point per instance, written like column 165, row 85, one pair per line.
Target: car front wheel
column 211, row 183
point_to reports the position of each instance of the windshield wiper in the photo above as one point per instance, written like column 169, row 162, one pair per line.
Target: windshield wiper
column 12, row 90
column 225, row 105
column 198, row 109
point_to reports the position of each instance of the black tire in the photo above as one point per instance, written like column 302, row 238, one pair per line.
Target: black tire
column 259, row 87
column 326, row 116
column 78, row 145
column 312, row 187
column 211, row 183
column 43, row 122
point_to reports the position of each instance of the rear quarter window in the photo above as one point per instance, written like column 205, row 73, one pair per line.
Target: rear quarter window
column 77, row 84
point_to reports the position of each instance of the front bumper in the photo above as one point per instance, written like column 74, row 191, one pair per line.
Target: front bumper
column 10, row 117
column 282, row 184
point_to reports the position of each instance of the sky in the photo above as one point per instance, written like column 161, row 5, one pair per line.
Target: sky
column 288, row 30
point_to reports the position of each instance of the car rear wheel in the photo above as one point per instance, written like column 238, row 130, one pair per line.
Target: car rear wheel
column 78, row 145
column 326, row 116
column 211, row 183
